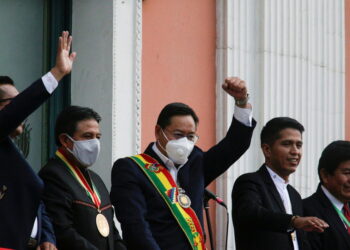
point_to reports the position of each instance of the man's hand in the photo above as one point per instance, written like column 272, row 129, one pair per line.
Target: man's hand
column 237, row 88
column 309, row 224
column 64, row 60
column 46, row 246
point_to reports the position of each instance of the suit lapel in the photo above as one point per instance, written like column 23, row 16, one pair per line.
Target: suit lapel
column 332, row 216
column 295, row 201
column 271, row 187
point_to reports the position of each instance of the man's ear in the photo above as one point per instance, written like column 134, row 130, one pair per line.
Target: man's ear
column 266, row 150
column 157, row 132
column 324, row 176
column 65, row 141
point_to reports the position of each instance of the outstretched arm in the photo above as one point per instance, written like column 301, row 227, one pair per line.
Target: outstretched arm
column 237, row 140
column 13, row 114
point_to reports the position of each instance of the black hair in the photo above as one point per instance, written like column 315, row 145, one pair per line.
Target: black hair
column 5, row 80
column 332, row 156
column 271, row 131
column 175, row 109
column 68, row 119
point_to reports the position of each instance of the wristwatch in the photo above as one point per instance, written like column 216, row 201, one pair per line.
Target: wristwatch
column 291, row 228
column 242, row 102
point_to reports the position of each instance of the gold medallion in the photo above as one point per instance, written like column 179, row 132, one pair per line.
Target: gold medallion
column 184, row 200
column 102, row 225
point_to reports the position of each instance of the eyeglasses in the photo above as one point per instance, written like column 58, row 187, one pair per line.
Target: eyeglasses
column 178, row 135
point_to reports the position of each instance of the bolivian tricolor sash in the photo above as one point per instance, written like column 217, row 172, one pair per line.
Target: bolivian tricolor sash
column 167, row 188
column 78, row 175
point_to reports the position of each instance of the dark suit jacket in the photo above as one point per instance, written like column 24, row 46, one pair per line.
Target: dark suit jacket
column 20, row 201
column 259, row 217
column 72, row 211
column 335, row 237
column 146, row 221
column 45, row 229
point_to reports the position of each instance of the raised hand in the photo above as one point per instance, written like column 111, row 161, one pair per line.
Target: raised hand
column 237, row 88
column 64, row 59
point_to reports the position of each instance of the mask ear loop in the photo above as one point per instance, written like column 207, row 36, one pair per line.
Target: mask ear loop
column 165, row 135
column 160, row 145
column 72, row 140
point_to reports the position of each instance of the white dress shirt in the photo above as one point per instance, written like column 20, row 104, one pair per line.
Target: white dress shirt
column 243, row 115
column 281, row 186
column 50, row 82
column 169, row 164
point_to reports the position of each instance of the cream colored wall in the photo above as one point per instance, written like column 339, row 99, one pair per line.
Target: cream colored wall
column 292, row 54
column 347, row 69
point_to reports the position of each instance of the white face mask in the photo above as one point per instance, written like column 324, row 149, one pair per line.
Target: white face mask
column 85, row 151
column 178, row 150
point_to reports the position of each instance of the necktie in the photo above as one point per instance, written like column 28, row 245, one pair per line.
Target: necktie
column 346, row 212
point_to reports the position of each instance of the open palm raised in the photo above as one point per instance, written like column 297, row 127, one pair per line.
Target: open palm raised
column 64, row 59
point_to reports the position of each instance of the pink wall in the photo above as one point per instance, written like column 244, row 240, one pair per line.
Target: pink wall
column 178, row 64
column 347, row 69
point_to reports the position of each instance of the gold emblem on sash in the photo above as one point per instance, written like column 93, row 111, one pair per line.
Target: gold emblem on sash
column 102, row 225
column 183, row 199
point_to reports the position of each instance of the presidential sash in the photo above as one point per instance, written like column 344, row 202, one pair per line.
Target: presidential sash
column 167, row 188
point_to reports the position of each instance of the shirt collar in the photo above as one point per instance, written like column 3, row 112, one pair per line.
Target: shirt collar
column 168, row 163
column 278, row 180
column 337, row 203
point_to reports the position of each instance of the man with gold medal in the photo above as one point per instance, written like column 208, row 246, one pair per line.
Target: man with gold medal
column 76, row 197
column 158, row 195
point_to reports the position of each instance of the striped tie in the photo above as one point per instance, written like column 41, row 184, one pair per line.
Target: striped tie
column 346, row 212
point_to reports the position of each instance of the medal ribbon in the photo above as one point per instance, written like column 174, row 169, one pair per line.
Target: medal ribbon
column 78, row 175
column 164, row 183
column 342, row 216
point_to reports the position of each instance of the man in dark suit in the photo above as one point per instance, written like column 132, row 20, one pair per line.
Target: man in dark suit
column 331, row 200
column 76, row 197
column 266, row 210
column 42, row 233
column 20, row 187
column 158, row 196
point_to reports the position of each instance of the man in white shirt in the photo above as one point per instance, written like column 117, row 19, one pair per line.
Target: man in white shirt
column 20, row 187
column 331, row 200
column 266, row 209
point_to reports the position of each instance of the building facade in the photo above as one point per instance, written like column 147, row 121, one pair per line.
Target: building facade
column 136, row 56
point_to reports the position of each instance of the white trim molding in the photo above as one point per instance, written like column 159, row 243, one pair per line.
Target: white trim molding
column 291, row 54
column 127, row 75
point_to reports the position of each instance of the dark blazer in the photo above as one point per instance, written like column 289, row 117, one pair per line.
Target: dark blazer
column 72, row 211
column 259, row 217
column 335, row 237
column 146, row 221
column 45, row 228
column 20, row 187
